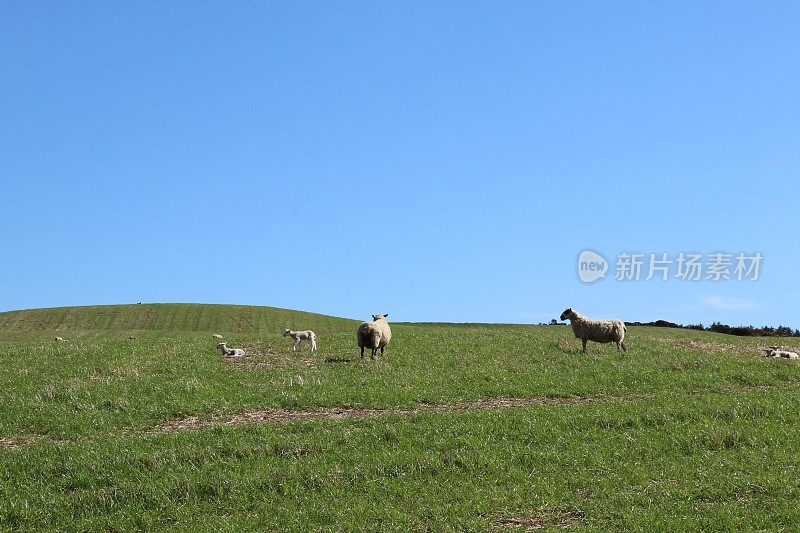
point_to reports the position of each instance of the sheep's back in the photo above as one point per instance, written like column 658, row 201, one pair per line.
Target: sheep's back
column 599, row 330
column 385, row 330
column 367, row 335
column 375, row 334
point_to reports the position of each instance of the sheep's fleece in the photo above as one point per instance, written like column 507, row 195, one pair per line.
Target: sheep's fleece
column 374, row 335
column 587, row 329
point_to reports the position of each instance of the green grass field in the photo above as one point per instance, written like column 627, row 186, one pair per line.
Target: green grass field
column 457, row 427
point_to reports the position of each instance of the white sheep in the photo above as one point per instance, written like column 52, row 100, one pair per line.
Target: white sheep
column 217, row 336
column 230, row 352
column 59, row 339
column 776, row 351
column 300, row 336
column 587, row 329
column 374, row 335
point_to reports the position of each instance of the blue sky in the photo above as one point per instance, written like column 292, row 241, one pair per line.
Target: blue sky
column 439, row 161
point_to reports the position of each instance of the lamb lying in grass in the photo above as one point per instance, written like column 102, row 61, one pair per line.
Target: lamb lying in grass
column 776, row 351
column 230, row 352
column 300, row 336
column 587, row 329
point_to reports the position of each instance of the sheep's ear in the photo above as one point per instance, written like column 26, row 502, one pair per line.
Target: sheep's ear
column 387, row 314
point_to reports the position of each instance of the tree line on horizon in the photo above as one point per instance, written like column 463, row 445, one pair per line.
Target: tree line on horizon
column 719, row 327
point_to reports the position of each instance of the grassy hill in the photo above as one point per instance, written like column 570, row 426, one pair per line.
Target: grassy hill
column 469, row 427
column 168, row 317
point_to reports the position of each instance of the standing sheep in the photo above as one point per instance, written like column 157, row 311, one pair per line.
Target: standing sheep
column 587, row 329
column 230, row 352
column 374, row 335
column 300, row 336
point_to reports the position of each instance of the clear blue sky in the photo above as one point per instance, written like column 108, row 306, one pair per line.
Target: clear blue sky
column 434, row 160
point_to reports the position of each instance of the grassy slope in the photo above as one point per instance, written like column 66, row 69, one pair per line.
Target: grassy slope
column 166, row 317
column 690, row 429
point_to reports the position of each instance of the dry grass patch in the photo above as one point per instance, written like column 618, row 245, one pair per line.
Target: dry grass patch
column 545, row 518
column 720, row 347
column 264, row 416
column 15, row 442
column 98, row 374
column 258, row 357
column 704, row 346
column 565, row 346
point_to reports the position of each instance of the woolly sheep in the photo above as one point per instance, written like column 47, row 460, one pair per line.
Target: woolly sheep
column 299, row 336
column 59, row 339
column 374, row 335
column 776, row 351
column 230, row 352
column 587, row 329
column 217, row 336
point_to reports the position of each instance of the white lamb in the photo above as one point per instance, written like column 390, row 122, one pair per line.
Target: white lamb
column 217, row 336
column 300, row 336
column 374, row 335
column 776, row 351
column 587, row 329
column 230, row 352
column 59, row 339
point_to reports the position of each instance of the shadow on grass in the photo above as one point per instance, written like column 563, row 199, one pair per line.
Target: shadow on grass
column 337, row 360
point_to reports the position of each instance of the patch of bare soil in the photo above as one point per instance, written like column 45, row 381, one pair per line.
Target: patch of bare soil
column 15, row 442
column 545, row 518
column 339, row 413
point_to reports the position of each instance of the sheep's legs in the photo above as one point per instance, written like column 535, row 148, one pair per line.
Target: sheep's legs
column 584, row 345
column 294, row 347
column 622, row 344
column 381, row 350
column 362, row 352
column 313, row 345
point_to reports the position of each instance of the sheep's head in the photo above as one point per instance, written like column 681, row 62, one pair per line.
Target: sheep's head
column 375, row 318
column 568, row 314
column 221, row 345
column 286, row 332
